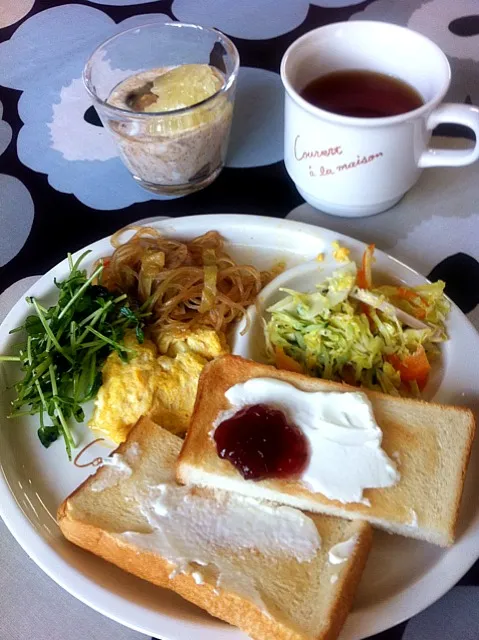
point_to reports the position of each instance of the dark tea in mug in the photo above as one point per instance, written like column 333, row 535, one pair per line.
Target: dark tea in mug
column 362, row 94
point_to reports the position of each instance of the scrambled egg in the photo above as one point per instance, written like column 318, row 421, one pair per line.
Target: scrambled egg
column 159, row 382
column 340, row 254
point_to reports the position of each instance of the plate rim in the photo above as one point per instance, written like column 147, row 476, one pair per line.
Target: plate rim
column 371, row 620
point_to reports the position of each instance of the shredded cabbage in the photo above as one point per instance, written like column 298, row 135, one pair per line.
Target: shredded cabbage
column 334, row 335
column 208, row 295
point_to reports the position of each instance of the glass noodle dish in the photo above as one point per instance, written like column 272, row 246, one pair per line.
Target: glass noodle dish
column 183, row 284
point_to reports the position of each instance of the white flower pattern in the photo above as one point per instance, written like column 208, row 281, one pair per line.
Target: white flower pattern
column 16, row 205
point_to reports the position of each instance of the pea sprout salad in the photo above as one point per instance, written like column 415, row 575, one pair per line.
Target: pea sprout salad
column 350, row 329
column 63, row 347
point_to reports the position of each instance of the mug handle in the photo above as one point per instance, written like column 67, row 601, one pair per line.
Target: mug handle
column 457, row 114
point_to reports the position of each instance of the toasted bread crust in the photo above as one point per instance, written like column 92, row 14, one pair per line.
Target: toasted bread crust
column 224, row 605
column 433, row 440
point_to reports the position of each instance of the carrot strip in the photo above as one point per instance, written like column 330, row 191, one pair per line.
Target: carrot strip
column 285, row 362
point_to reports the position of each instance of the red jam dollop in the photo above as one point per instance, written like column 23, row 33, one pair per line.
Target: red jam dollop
column 260, row 443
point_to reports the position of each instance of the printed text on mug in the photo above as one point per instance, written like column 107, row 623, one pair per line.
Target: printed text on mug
column 301, row 154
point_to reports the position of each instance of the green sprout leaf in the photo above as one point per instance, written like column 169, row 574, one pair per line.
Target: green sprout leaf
column 48, row 435
column 65, row 348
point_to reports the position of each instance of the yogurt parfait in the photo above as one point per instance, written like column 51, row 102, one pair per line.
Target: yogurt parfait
column 172, row 122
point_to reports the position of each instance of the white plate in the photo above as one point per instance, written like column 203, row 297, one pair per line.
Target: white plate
column 402, row 576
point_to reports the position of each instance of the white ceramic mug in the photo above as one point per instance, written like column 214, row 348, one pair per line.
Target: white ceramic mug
column 351, row 166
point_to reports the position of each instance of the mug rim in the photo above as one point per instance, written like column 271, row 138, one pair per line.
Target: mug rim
column 351, row 120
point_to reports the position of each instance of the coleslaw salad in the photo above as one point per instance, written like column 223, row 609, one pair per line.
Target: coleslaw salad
column 348, row 329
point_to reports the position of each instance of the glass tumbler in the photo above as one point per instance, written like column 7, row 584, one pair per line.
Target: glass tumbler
column 172, row 152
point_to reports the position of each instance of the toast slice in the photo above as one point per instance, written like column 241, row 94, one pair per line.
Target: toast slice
column 253, row 579
column 430, row 443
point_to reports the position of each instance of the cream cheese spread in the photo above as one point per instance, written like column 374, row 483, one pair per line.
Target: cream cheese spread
column 197, row 577
column 203, row 534
column 341, row 552
column 414, row 521
column 191, row 526
column 344, row 439
column 118, row 469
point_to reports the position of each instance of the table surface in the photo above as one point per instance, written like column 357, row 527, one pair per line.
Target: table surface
column 62, row 186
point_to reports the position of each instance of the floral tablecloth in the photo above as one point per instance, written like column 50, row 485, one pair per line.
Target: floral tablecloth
column 62, row 185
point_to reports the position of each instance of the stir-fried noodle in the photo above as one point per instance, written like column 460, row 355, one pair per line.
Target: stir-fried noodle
column 185, row 284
